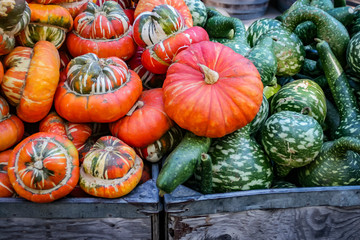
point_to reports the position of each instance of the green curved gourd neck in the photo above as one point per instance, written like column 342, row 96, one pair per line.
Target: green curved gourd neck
column 342, row 145
column 225, row 27
column 295, row 5
column 343, row 96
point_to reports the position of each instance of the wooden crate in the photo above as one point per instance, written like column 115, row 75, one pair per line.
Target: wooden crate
column 294, row 213
column 134, row 216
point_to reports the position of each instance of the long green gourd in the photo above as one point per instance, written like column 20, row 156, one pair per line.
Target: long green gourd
column 328, row 28
column 344, row 98
column 337, row 164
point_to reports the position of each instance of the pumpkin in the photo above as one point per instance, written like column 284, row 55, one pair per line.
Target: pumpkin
column 31, row 79
column 78, row 133
column 111, row 169
column 145, row 123
column 14, row 17
column 149, row 80
column 44, row 167
column 180, row 5
column 11, row 127
column 6, row 189
column 104, row 30
column 212, row 91
column 152, row 27
column 97, row 90
column 73, row 6
column 47, row 23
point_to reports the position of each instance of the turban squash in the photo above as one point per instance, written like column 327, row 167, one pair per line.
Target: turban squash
column 11, row 127
column 31, row 79
column 110, row 169
column 73, row 6
column 6, row 189
column 212, row 91
column 14, row 17
column 47, row 23
column 78, row 133
column 105, row 31
column 44, row 167
column 97, row 90
column 180, row 5
column 164, row 34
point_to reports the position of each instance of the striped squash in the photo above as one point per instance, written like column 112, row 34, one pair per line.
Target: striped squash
column 6, row 189
column 152, row 27
column 31, row 79
column 11, row 127
column 47, row 23
column 97, row 89
column 44, row 167
column 111, row 169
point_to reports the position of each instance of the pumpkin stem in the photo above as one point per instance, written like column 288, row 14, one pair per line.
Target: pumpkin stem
column 138, row 104
column 211, row 76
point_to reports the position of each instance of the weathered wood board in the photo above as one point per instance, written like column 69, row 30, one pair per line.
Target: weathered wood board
column 322, row 222
column 103, row 228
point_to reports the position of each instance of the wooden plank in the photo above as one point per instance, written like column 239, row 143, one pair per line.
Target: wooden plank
column 98, row 228
column 322, row 222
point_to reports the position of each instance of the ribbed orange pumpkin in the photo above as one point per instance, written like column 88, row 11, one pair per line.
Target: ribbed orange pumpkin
column 11, row 127
column 44, row 167
column 110, row 169
column 180, row 5
column 212, row 91
column 6, row 189
column 31, row 79
column 145, row 123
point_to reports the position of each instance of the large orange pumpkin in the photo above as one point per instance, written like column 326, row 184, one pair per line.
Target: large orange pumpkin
column 44, row 167
column 6, row 189
column 212, row 91
column 145, row 123
column 180, row 5
column 11, row 127
column 110, row 169
column 97, row 90
column 73, row 6
column 31, row 79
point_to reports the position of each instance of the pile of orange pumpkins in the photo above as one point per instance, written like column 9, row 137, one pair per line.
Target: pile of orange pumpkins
column 138, row 69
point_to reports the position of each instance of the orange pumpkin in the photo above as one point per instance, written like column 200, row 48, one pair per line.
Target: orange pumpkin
column 31, row 79
column 111, row 169
column 44, row 167
column 6, row 189
column 11, row 127
column 97, row 90
column 145, row 123
column 78, row 133
column 73, row 6
column 180, row 5
column 212, row 91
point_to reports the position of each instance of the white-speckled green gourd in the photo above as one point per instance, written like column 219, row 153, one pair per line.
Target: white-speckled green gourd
column 328, row 28
column 291, row 139
column 342, row 93
column 262, row 55
column 239, row 163
column 337, row 164
column 303, row 96
column 198, row 12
